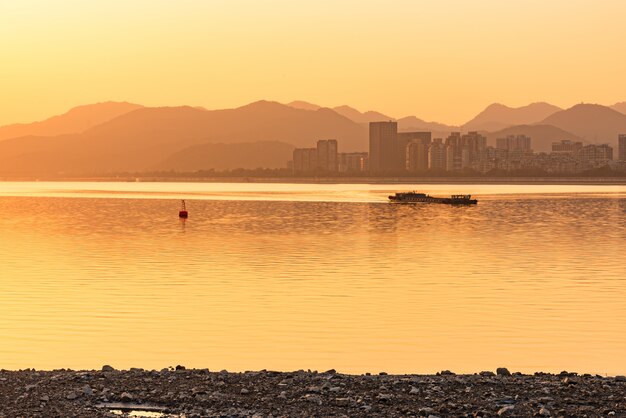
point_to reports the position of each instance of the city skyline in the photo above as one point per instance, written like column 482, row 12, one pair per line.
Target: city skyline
column 159, row 53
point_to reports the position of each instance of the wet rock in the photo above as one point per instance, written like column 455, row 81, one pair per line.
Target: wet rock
column 71, row 396
column 620, row 378
column 503, row 371
column 179, row 367
column 244, row 391
column 107, row 368
column 487, row 373
column 44, row 398
column 87, row 390
column 414, row 390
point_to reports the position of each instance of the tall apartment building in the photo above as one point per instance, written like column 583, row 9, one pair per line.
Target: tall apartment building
column 327, row 155
column 596, row 153
column 405, row 139
column 322, row 158
column 353, row 162
column 514, row 143
column 567, row 147
column 437, row 155
column 383, row 151
column 304, row 159
column 621, row 149
column 417, row 156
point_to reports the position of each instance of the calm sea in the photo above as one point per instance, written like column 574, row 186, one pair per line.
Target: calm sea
column 287, row 277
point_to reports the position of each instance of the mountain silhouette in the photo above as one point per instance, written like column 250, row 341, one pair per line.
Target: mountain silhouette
column 497, row 116
column 144, row 137
column 349, row 112
column 620, row 107
column 542, row 136
column 76, row 120
column 361, row 117
column 413, row 123
column 591, row 122
column 250, row 155
column 301, row 104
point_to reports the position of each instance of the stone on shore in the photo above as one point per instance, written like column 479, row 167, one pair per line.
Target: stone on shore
column 200, row 393
column 503, row 371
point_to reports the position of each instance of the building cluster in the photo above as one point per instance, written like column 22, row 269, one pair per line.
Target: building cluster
column 566, row 157
column 326, row 158
column 393, row 152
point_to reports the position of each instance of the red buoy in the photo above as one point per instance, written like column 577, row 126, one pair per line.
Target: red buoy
column 183, row 212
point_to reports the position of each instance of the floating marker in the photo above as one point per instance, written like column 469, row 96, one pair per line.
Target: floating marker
column 183, row 211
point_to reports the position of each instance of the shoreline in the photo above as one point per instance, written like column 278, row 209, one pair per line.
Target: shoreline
column 593, row 181
column 177, row 392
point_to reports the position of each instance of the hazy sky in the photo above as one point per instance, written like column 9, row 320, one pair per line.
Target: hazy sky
column 441, row 60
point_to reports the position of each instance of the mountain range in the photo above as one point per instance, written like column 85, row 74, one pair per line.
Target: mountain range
column 119, row 136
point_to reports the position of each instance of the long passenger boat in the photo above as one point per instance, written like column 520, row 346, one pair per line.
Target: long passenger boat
column 414, row 197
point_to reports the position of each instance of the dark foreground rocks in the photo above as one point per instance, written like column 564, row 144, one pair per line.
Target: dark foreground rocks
column 199, row 393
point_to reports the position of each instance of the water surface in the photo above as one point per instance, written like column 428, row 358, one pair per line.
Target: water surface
column 286, row 277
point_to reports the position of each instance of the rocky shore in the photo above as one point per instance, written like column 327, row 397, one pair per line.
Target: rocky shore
column 178, row 392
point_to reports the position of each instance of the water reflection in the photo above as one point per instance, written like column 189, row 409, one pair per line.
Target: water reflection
column 530, row 282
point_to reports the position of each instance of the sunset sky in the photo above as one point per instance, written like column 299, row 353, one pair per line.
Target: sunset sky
column 441, row 60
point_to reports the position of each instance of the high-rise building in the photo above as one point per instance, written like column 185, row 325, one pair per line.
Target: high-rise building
column 304, row 159
column 327, row 155
column 514, row 142
column 417, row 156
column 596, row 153
column 567, row 147
column 437, row 155
column 322, row 158
column 621, row 150
column 407, row 138
column 453, row 151
column 353, row 162
column 383, row 146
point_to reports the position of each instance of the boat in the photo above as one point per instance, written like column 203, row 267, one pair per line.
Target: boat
column 414, row 197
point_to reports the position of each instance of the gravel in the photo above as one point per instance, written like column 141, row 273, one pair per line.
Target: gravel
column 179, row 392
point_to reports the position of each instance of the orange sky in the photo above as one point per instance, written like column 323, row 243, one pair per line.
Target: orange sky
column 441, row 60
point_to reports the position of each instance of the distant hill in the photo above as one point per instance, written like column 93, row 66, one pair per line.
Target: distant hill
column 76, row 120
column 497, row 116
column 251, row 155
column 412, row 123
column 592, row 122
column 542, row 136
column 620, row 107
column 349, row 112
column 361, row 117
column 300, row 104
column 143, row 138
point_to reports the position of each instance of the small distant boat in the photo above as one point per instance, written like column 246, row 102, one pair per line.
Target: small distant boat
column 414, row 197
